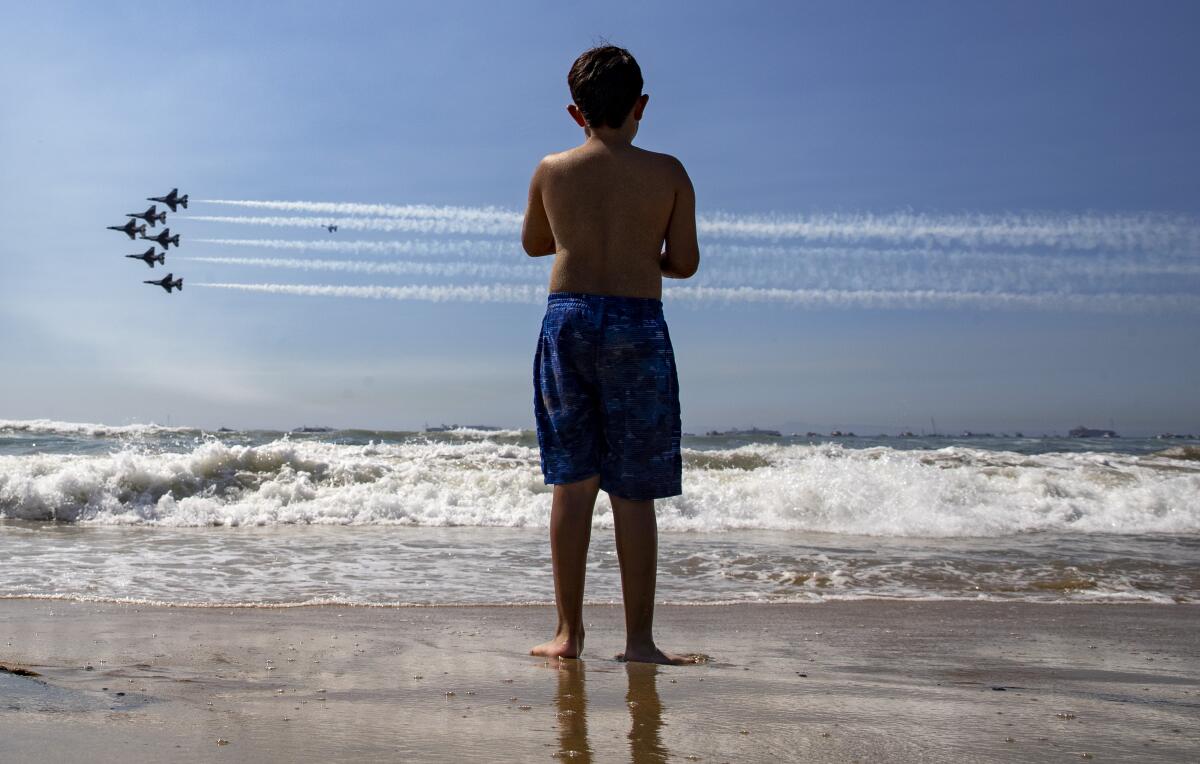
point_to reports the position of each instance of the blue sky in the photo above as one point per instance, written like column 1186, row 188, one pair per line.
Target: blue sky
column 808, row 111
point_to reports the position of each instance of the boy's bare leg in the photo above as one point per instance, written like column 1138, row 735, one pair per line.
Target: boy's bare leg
column 570, row 534
column 637, row 552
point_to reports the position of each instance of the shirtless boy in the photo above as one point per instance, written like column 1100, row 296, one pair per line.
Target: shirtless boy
column 606, row 394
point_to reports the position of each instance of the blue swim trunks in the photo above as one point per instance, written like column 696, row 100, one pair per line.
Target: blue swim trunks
column 606, row 395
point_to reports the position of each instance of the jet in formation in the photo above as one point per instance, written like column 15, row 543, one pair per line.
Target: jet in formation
column 331, row 228
column 150, row 258
column 151, row 216
column 164, row 238
column 168, row 283
column 130, row 228
column 171, row 200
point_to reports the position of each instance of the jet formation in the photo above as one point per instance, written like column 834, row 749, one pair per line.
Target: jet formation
column 163, row 238
column 331, row 228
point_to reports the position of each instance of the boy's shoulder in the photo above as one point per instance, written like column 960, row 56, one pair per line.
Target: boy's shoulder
column 578, row 154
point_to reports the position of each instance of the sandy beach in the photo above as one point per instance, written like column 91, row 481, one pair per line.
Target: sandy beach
column 848, row 681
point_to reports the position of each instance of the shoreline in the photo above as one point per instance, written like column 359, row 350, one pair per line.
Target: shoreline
column 851, row 680
column 334, row 602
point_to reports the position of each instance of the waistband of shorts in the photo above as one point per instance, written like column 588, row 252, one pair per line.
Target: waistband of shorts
column 609, row 301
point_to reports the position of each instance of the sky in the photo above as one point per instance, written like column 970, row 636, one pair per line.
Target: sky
column 982, row 213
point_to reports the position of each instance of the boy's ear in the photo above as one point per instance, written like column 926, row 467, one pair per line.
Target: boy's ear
column 577, row 115
column 639, row 106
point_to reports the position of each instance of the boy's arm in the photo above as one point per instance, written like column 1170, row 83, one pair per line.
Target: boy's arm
column 536, row 236
column 681, row 257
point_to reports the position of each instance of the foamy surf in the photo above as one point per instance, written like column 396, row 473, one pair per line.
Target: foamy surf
column 484, row 482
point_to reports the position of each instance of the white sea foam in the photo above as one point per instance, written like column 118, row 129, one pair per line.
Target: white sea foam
column 50, row 426
column 480, row 482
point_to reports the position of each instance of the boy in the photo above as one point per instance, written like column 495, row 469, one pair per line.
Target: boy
column 606, row 394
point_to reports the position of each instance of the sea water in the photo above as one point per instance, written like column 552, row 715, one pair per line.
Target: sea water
column 186, row 517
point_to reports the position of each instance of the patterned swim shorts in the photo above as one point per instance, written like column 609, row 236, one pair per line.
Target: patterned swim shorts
column 606, row 395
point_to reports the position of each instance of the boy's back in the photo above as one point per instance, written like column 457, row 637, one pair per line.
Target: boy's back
column 609, row 206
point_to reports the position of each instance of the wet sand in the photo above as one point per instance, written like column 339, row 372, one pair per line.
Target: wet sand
column 850, row 681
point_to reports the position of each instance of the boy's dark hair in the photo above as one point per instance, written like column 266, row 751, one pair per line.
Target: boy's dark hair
column 605, row 82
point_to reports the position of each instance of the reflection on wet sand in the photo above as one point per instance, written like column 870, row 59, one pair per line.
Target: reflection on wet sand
column 572, row 713
column 645, row 713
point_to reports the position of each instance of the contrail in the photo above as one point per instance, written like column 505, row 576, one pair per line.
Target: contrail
column 470, row 293
column 805, row 298
column 407, row 225
column 1076, row 231
column 416, row 211
column 950, row 271
column 804, row 274
column 429, row 247
column 806, row 267
column 1085, row 232
column 1132, row 264
column 518, row 270
column 922, row 299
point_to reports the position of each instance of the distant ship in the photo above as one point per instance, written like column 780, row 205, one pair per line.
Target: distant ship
column 307, row 429
column 1085, row 432
column 752, row 432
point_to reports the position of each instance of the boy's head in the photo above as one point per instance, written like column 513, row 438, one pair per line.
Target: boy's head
column 605, row 84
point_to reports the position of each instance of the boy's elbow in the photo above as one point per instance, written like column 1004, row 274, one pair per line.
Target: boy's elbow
column 682, row 267
column 538, row 247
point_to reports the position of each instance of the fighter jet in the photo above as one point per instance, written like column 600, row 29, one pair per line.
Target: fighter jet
column 151, row 215
column 129, row 229
column 164, row 237
column 151, row 258
column 171, row 199
column 167, row 283
column 331, row 228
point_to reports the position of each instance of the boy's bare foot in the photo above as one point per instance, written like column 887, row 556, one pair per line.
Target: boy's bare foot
column 651, row 654
column 562, row 646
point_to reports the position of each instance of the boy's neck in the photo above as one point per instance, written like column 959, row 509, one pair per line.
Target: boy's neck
column 614, row 137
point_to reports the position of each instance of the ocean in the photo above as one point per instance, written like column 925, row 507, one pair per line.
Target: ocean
column 185, row 517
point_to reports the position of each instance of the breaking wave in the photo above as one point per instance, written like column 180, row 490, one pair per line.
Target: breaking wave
column 88, row 429
column 482, row 481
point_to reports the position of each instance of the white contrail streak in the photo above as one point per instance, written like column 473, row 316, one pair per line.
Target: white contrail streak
column 922, row 299
column 406, row 225
column 951, row 271
column 415, row 211
column 440, row 293
column 805, row 298
column 1075, row 231
column 807, row 275
column 519, row 270
column 1132, row 264
column 1081, row 232
column 410, row 247
column 798, row 267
